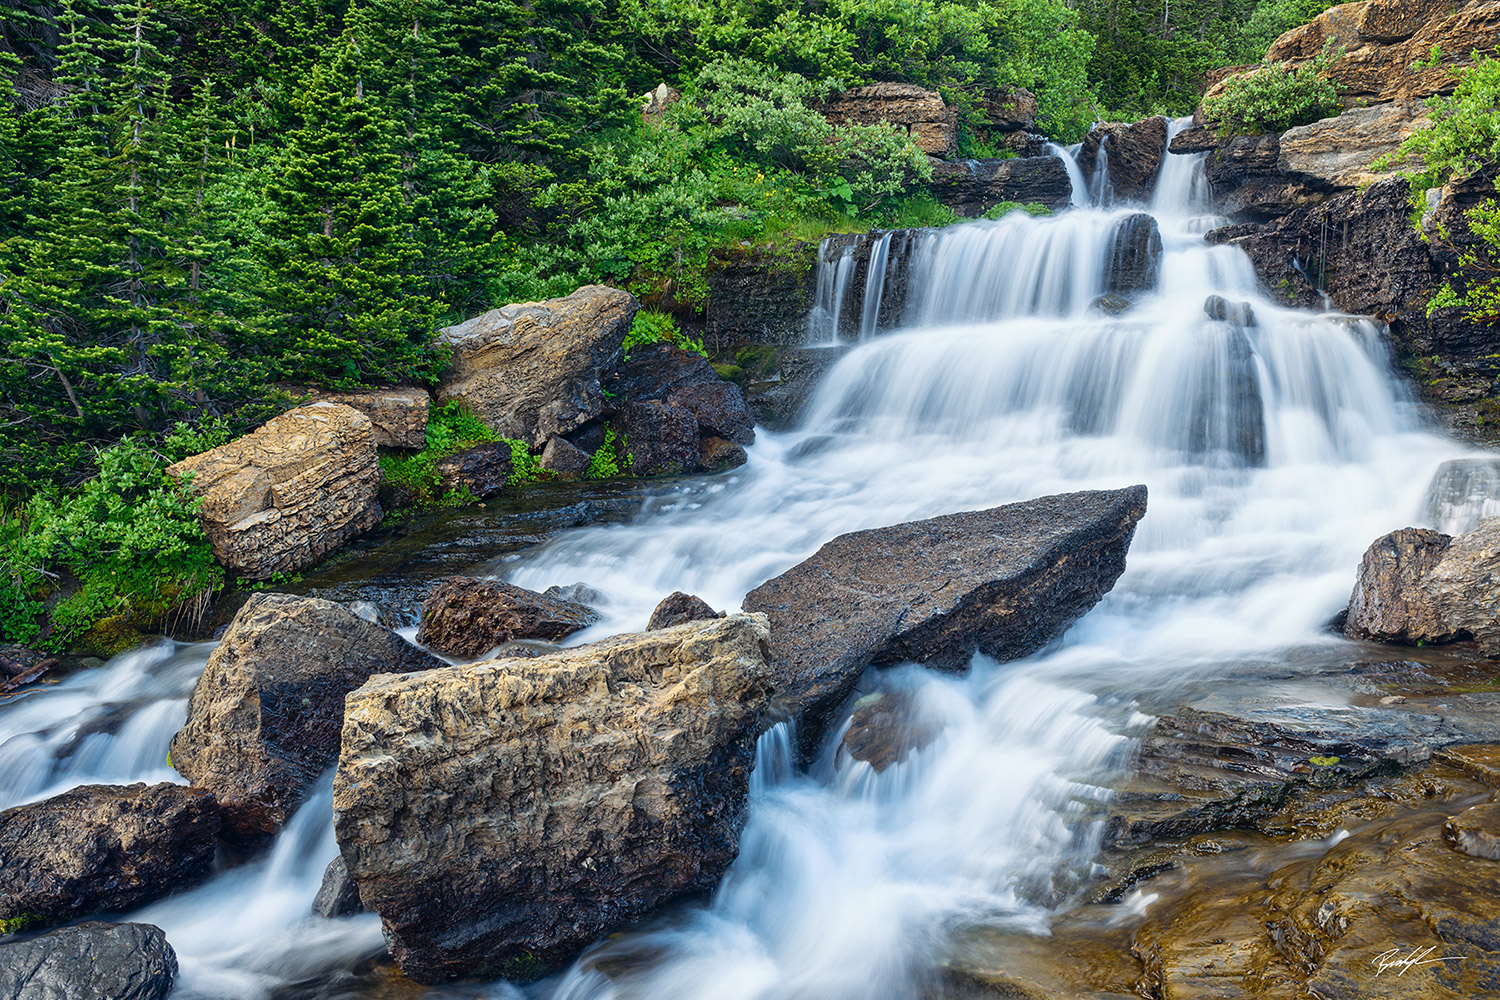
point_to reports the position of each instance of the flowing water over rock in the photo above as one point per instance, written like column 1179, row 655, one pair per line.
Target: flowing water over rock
column 1275, row 443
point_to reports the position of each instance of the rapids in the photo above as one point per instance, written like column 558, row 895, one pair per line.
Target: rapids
column 1275, row 448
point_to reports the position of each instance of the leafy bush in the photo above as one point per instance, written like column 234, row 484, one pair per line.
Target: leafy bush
column 611, row 459
column 124, row 549
column 1006, row 207
column 652, row 327
column 1272, row 99
column 451, row 427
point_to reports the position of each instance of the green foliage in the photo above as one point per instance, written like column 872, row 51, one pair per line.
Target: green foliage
column 1271, row 99
column 125, row 544
column 611, row 459
column 1006, row 207
column 1432, row 60
column 451, row 428
column 652, row 327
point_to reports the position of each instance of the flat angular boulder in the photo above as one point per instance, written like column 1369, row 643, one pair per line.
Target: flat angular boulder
column 264, row 720
column 973, row 187
column 103, row 849
column 482, row 470
column 919, row 112
column 565, row 459
column 398, row 416
column 501, row 816
column 466, row 617
column 92, row 961
column 279, row 499
column 1004, row 581
column 1388, row 604
column 532, row 370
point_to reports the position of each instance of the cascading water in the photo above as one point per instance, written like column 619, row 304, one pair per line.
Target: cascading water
column 1275, row 446
column 869, row 317
column 831, row 294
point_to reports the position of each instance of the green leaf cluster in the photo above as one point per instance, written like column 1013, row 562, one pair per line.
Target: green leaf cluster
column 653, row 327
column 1273, row 98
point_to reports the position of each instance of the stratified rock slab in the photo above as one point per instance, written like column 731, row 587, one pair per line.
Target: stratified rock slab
column 264, row 719
column 1004, row 581
column 500, row 816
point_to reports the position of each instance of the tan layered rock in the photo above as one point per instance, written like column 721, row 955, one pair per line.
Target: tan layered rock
column 398, row 416
column 281, row 498
column 921, row 113
column 1341, row 152
column 531, row 370
column 500, row 816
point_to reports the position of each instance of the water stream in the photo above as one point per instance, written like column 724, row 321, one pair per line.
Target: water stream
column 1276, row 446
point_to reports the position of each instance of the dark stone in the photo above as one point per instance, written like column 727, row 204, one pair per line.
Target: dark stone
column 103, row 848
column 1010, row 109
column 760, row 294
column 20, row 666
column 92, row 961
column 1110, row 304
column 715, row 454
column 264, row 721
column 1025, row 143
column 779, row 404
column 466, row 617
column 973, row 187
column 653, row 372
column 577, row 593
column 679, row 609
column 482, row 470
column 338, row 896
column 1134, row 151
column 719, row 407
column 661, row 439
column 565, row 459
column 1239, row 313
column 1134, row 255
column 885, row 727
column 1195, row 139
column 1005, row 582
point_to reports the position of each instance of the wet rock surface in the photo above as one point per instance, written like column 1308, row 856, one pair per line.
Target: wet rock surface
column 1004, row 581
column 103, row 849
column 338, row 896
column 91, row 961
column 973, row 187
column 532, row 370
column 617, row 771
column 481, row 471
column 780, row 404
column 1134, row 152
column 679, row 609
column 886, row 727
column 760, row 295
column 264, row 719
column 281, row 498
column 1134, row 256
column 1387, row 605
column 466, row 617
column 661, row 439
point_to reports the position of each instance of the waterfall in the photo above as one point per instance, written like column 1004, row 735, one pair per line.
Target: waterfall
column 1275, row 443
column 1080, row 188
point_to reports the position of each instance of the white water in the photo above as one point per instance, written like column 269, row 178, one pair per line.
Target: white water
column 1003, row 385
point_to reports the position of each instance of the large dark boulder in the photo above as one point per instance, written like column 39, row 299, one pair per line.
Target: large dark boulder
column 719, row 407
column 92, row 961
column 1004, row 581
column 667, row 402
column 1388, row 604
column 661, row 439
column 501, row 816
column 103, row 848
column 760, row 294
column 467, row 617
column 780, row 404
column 482, row 470
column 1133, row 152
column 973, row 187
column 1135, row 250
column 264, row 720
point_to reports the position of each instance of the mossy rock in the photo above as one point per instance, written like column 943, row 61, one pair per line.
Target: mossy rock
column 759, row 361
column 110, row 636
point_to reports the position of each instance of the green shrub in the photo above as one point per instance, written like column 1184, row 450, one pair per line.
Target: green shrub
column 1006, row 207
column 452, row 427
column 611, row 459
column 652, row 327
column 1272, row 98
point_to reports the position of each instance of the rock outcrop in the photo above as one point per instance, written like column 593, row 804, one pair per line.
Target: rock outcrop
column 281, row 498
column 973, row 187
column 1133, row 153
column 679, row 609
column 92, row 961
column 1417, row 586
column 1004, row 582
column 759, row 295
column 466, row 617
column 103, row 849
column 532, row 370
column 398, row 416
column 500, row 816
column 1010, row 109
column 920, row 113
column 482, row 471
column 264, row 720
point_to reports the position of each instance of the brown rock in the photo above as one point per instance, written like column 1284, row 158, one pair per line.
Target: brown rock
column 280, row 499
column 338, row 896
column 1134, row 255
column 1476, row 831
column 1134, row 151
column 1398, row 20
column 263, row 723
column 1010, row 109
column 467, row 617
column 679, row 609
column 500, row 816
column 1388, row 605
column 715, row 454
column 1460, row 590
column 1004, row 581
column 398, row 416
column 20, row 666
column 532, row 370
column 562, row 457
column 920, row 113
column 661, row 440
column 102, row 849
column 719, row 407
column 885, row 727
column 482, row 470
column 1339, row 153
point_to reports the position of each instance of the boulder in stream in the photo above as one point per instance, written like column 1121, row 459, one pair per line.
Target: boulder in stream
column 102, row 849
column 264, row 720
column 1134, row 152
column 1004, row 581
column 679, row 609
column 466, row 617
column 92, row 961
column 1134, row 255
column 500, row 816
column 1388, row 604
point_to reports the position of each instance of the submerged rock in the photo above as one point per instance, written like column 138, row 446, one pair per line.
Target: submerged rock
column 92, row 961
column 500, row 816
column 281, row 498
column 679, row 609
column 1217, row 307
column 467, row 617
column 102, row 849
column 263, row 723
column 532, row 370
column 885, row 727
column 1004, row 582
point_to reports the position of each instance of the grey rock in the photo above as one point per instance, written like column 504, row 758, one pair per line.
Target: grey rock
column 338, row 896
column 482, row 470
column 563, row 458
column 91, row 961
column 679, row 609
